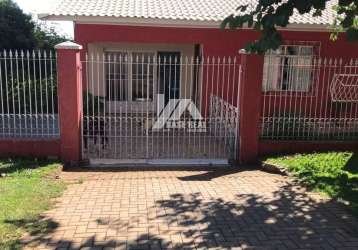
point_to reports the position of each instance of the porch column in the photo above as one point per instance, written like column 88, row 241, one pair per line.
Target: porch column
column 250, row 106
column 70, row 100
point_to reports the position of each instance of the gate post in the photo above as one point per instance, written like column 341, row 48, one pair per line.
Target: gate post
column 70, row 100
column 250, row 106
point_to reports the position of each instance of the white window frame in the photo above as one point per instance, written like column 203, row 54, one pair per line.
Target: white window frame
column 130, row 104
column 273, row 71
column 140, row 106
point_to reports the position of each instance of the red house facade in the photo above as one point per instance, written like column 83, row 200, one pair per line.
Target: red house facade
column 143, row 59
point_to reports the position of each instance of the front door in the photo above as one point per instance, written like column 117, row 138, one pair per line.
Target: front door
column 169, row 75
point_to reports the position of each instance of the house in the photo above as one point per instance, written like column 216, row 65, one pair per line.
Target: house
column 155, row 62
column 184, row 28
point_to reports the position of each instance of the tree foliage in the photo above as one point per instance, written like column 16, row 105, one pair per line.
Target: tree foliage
column 19, row 31
column 344, row 22
column 47, row 37
column 16, row 28
column 268, row 15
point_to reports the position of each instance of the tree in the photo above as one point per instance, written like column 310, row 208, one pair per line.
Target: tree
column 37, row 79
column 16, row 28
column 268, row 15
column 46, row 37
column 343, row 23
column 19, row 31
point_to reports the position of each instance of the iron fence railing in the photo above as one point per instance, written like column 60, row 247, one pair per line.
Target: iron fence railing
column 28, row 94
column 153, row 105
column 308, row 98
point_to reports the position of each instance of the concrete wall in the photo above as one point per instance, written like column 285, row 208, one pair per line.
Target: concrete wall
column 30, row 148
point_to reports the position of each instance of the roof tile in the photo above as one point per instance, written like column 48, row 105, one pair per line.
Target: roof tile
column 195, row 10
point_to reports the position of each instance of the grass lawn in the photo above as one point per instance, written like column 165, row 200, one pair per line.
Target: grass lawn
column 332, row 173
column 25, row 192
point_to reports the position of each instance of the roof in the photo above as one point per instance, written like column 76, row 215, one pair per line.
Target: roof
column 164, row 11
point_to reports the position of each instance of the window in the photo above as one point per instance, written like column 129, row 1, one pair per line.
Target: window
column 129, row 76
column 116, row 76
column 142, row 76
column 288, row 68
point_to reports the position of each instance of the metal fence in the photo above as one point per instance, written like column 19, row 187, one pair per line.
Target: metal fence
column 308, row 98
column 28, row 94
column 224, row 118
column 160, row 105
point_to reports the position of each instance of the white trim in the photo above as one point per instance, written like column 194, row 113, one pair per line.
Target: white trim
column 276, row 70
column 161, row 22
column 157, row 162
column 135, row 104
column 68, row 45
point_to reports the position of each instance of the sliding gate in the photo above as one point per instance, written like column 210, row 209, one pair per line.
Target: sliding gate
column 160, row 106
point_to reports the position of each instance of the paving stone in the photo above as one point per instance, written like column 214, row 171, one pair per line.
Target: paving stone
column 192, row 209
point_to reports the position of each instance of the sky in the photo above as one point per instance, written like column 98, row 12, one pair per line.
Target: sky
column 40, row 6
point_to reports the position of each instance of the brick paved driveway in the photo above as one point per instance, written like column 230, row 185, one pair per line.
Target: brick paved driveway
column 221, row 209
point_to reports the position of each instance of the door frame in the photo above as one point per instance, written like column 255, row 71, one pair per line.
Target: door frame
column 179, row 74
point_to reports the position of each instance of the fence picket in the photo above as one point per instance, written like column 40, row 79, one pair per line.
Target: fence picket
column 135, row 123
column 28, row 86
column 320, row 99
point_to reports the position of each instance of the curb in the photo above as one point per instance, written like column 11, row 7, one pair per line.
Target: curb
column 275, row 169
